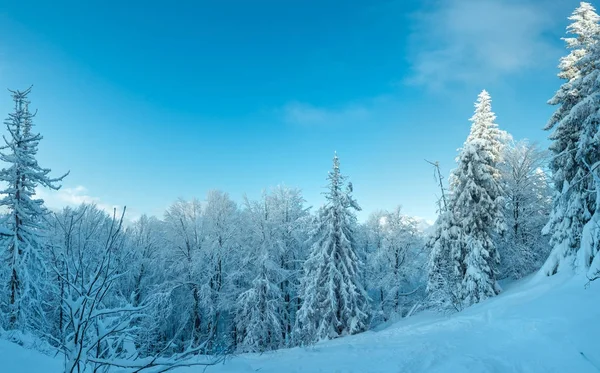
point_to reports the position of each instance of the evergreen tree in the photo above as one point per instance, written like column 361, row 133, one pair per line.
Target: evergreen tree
column 258, row 312
column 574, row 198
column 463, row 254
column 443, row 281
column 477, row 204
column 334, row 300
column 24, row 250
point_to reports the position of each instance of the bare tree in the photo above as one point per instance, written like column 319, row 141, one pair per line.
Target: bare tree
column 99, row 325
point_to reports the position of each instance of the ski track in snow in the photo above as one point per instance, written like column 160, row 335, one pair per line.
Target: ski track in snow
column 548, row 325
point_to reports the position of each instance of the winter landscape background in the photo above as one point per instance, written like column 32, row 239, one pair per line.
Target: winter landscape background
column 491, row 266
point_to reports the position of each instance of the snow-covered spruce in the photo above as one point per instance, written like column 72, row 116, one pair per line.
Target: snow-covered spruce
column 464, row 238
column 443, row 281
column 334, row 299
column 573, row 141
column 23, row 247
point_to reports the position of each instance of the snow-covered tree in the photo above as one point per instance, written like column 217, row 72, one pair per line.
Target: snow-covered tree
column 528, row 200
column 290, row 219
column 186, row 237
column 100, row 324
column 573, row 141
column 396, row 268
column 464, row 257
column 444, row 280
column 477, row 203
column 144, row 281
column 334, row 300
column 24, row 249
column 221, row 251
column 259, row 309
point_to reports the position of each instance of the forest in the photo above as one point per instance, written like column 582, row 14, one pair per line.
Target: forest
column 216, row 277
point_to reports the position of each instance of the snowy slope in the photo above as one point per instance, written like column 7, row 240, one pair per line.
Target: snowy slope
column 533, row 326
column 16, row 359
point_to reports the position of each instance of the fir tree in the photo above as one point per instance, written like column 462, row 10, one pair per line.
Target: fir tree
column 574, row 199
column 334, row 300
column 477, row 204
column 24, row 248
column 464, row 258
column 258, row 312
column 443, row 282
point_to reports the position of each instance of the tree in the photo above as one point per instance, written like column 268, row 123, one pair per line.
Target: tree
column 394, row 266
column 574, row 199
column 222, row 229
column 259, row 309
column 527, row 207
column 145, row 281
column 477, row 203
column 99, row 322
column 290, row 220
column 464, row 258
column 24, row 252
column 443, row 279
column 334, row 300
column 186, row 237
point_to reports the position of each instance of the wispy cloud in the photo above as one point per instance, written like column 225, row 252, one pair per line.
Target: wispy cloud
column 298, row 113
column 481, row 40
column 57, row 199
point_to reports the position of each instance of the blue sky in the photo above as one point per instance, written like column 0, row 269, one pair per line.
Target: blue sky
column 145, row 102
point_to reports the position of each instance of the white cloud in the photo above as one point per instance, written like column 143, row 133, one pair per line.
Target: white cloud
column 57, row 199
column 481, row 40
column 298, row 113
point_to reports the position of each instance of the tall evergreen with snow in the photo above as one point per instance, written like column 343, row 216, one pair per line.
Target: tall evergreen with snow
column 23, row 249
column 587, row 111
column 334, row 300
column 573, row 134
column 462, row 267
column 477, row 203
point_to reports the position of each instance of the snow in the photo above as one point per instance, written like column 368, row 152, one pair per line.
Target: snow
column 17, row 359
column 539, row 324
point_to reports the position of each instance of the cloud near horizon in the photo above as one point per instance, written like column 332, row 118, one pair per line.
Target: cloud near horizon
column 73, row 197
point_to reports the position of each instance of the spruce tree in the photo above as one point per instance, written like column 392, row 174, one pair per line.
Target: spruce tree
column 587, row 112
column 334, row 299
column 24, row 250
column 572, row 144
column 443, row 281
column 462, row 267
column 478, row 204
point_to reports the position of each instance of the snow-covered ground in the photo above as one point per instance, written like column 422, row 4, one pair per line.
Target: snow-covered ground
column 547, row 325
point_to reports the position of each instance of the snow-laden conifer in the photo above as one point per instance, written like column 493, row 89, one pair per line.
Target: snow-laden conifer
column 477, row 204
column 574, row 200
column 24, row 248
column 334, row 299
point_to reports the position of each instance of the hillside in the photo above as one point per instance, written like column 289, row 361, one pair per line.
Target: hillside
column 535, row 325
